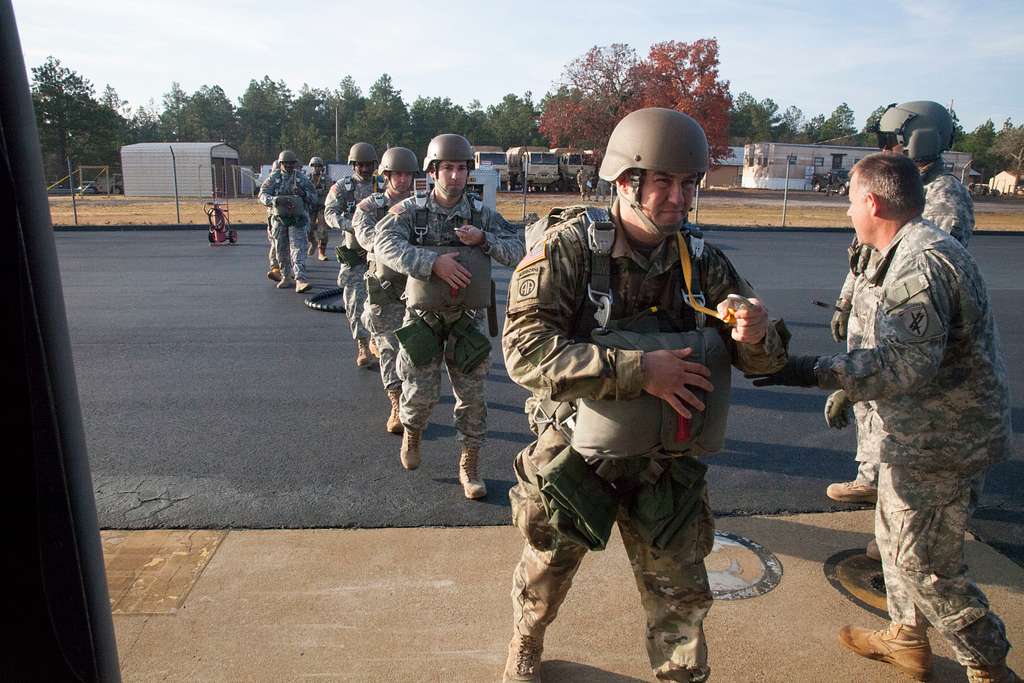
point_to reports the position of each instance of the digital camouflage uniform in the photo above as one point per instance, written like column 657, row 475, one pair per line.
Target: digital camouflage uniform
column 317, row 225
column 421, row 385
column 934, row 373
column 549, row 321
column 289, row 234
column 383, row 316
column 338, row 210
column 948, row 205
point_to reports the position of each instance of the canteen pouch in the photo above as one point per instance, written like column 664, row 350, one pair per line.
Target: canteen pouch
column 580, row 505
column 470, row 346
column 420, row 341
column 436, row 295
column 289, row 206
column 647, row 425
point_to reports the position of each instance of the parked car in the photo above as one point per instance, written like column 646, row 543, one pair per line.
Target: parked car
column 837, row 180
column 88, row 188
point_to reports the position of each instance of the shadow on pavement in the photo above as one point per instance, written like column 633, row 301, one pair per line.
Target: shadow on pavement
column 571, row 672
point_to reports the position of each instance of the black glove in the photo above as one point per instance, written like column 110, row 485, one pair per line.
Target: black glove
column 798, row 372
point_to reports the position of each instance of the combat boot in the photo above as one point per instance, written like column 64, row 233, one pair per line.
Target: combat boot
column 852, row 492
column 905, row 647
column 410, row 453
column 373, row 347
column 472, row 485
column 992, row 674
column 274, row 274
column 302, row 286
column 363, row 355
column 322, row 252
column 523, row 663
column 394, row 424
column 872, row 551
column 284, row 283
column 309, row 249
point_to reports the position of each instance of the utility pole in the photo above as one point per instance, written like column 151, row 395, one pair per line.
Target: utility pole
column 337, row 152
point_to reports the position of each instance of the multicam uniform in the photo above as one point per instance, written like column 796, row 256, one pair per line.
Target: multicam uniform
column 317, row 225
column 289, row 233
column 933, row 370
column 949, row 206
column 384, row 306
column 396, row 245
column 547, row 351
column 338, row 210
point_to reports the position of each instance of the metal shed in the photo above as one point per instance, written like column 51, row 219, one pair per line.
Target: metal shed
column 203, row 169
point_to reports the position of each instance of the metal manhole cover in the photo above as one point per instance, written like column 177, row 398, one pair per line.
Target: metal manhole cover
column 739, row 568
column 860, row 579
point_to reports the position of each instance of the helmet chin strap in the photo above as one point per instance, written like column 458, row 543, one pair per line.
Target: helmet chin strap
column 645, row 221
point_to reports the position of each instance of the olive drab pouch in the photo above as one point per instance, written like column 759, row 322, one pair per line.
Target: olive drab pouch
column 468, row 346
column 289, row 206
column 349, row 256
column 580, row 504
column 647, row 425
column 436, row 295
column 381, row 293
column 386, row 274
column 662, row 510
column 420, row 340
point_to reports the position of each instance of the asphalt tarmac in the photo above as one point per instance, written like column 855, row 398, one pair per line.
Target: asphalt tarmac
column 213, row 400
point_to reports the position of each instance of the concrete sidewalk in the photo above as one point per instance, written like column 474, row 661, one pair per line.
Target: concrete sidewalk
column 433, row 604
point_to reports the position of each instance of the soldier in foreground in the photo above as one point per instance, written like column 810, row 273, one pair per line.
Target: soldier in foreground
column 629, row 377
column 921, row 131
column 317, row 225
column 444, row 243
column 290, row 197
column 385, row 308
column 339, row 208
column 931, row 364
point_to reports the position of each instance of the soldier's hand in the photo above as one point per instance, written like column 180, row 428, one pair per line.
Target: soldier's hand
column 751, row 322
column 837, row 410
column 470, row 235
column 449, row 270
column 840, row 320
column 797, row 372
column 667, row 374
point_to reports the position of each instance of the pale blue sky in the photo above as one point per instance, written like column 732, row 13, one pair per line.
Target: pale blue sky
column 810, row 53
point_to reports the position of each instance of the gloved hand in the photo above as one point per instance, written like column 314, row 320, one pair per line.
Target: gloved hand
column 840, row 319
column 798, row 372
column 837, row 410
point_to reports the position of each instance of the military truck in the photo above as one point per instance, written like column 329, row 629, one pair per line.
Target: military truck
column 482, row 181
column 570, row 161
column 541, row 167
column 488, row 155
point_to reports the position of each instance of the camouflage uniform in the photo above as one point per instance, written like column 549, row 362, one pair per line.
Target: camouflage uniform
column 549, row 320
column 935, row 374
column 318, row 226
column 338, row 209
column 385, row 316
column 421, row 385
column 289, row 235
column 948, row 205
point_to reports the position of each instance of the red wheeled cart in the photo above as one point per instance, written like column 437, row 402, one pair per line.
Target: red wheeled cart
column 220, row 224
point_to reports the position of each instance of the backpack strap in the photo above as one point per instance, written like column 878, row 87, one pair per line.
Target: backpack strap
column 599, row 238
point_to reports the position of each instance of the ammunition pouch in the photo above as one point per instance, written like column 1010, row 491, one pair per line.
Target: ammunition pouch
column 580, row 505
column 288, row 206
column 436, row 295
column 349, row 256
column 647, row 426
column 469, row 346
column 422, row 340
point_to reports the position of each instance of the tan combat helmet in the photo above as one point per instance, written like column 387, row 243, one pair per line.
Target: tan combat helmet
column 287, row 156
column 315, row 161
column 399, row 159
column 656, row 139
column 448, row 147
column 361, row 153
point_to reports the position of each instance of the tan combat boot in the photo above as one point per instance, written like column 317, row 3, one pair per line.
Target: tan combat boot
column 523, row 663
column 284, row 283
column 274, row 274
column 852, row 492
column 472, row 485
column 410, row 454
column 322, row 252
column 992, row 674
column 309, row 249
column 302, row 286
column 373, row 347
column 363, row 355
column 905, row 647
column 394, row 424
column 872, row 551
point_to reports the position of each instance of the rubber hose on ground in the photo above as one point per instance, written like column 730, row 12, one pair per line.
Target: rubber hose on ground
column 315, row 301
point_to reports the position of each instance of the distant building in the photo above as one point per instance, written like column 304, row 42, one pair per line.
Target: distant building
column 1006, row 183
column 764, row 163
column 201, row 169
column 726, row 173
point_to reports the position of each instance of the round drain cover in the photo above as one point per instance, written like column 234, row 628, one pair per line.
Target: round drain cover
column 860, row 579
column 739, row 568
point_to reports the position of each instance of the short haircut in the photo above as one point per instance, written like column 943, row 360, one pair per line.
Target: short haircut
column 895, row 179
